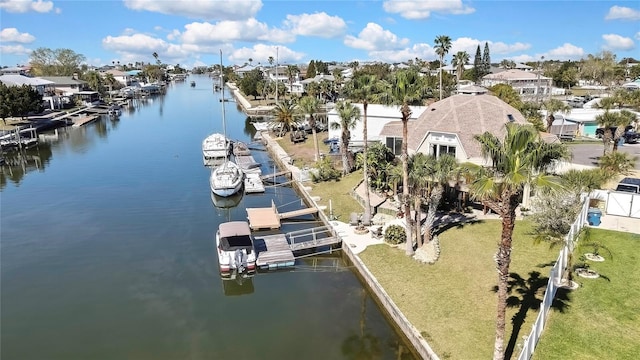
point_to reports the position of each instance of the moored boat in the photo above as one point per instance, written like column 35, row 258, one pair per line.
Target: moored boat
column 226, row 179
column 236, row 251
column 215, row 146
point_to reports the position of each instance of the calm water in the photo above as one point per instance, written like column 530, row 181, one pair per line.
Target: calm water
column 107, row 252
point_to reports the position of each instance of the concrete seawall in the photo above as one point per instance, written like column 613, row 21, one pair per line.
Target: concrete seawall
column 420, row 345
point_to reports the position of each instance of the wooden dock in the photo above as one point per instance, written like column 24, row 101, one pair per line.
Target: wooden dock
column 84, row 119
column 269, row 218
column 273, row 252
column 253, row 184
column 272, row 177
column 299, row 212
column 248, row 164
column 312, row 238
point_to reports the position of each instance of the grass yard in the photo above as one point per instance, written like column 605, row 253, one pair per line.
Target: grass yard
column 303, row 152
column 340, row 194
column 453, row 303
column 601, row 320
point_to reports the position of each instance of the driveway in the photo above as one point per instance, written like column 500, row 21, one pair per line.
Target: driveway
column 588, row 154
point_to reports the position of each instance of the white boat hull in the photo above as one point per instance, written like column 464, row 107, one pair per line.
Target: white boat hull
column 227, row 179
column 215, row 146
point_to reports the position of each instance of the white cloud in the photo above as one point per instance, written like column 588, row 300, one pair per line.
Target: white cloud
column 250, row 30
column 421, row 51
column 260, row 54
column 200, row 9
column 617, row 42
column 565, row 52
column 23, row 6
column 174, row 35
column 15, row 50
column 141, row 47
column 13, row 35
column 374, row 38
column 637, row 35
column 471, row 45
column 622, row 13
column 422, row 9
column 318, row 24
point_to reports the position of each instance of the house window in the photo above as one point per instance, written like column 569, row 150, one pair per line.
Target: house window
column 439, row 150
column 395, row 144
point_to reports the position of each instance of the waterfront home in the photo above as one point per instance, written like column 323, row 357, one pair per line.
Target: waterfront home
column 40, row 85
column 377, row 117
column 120, row 76
column 65, row 85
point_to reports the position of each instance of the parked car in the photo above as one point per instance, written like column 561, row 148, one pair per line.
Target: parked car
column 629, row 184
column 630, row 136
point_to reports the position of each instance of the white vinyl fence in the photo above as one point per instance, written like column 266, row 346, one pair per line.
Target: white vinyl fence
column 555, row 278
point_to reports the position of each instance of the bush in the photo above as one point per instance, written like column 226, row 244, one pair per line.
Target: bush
column 325, row 171
column 395, row 234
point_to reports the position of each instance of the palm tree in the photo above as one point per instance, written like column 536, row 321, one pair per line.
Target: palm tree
column 614, row 124
column 441, row 170
column 349, row 115
column 519, row 159
column 420, row 166
column 460, row 59
column 285, row 114
column 553, row 106
column 443, row 45
column 405, row 88
column 309, row 106
column 363, row 88
column 616, row 163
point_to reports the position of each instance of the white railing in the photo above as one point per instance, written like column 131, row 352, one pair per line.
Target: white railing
column 555, row 278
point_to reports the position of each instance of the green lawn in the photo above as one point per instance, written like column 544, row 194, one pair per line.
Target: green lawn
column 600, row 320
column 452, row 303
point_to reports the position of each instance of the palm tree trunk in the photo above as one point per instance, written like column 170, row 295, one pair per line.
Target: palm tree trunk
column 345, row 154
column 503, row 260
column 434, row 201
column 416, row 205
column 440, row 72
column 367, row 196
column 315, row 143
column 405, row 182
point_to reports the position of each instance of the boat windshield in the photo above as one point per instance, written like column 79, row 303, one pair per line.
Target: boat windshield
column 233, row 243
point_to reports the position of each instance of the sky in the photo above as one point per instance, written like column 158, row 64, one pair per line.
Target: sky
column 193, row 32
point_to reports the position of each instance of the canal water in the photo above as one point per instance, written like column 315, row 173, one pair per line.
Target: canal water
column 108, row 251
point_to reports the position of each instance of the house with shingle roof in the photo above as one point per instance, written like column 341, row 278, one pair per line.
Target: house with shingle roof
column 449, row 126
column 66, row 85
column 527, row 84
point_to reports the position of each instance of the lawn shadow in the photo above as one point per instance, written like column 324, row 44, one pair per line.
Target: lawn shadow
column 448, row 221
column 526, row 293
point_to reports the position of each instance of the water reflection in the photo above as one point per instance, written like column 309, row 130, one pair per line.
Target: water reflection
column 19, row 162
column 239, row 285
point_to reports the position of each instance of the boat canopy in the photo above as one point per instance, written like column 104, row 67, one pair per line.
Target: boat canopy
column 235, row 235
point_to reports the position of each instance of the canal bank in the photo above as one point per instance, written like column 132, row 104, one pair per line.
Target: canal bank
column 352, row 244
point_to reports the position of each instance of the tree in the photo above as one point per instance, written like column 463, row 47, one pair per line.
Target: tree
column 311, row 70
column 19, row 101
column 518, row 159
column 349, row 115
column 285, row 114
column 616, row 163
column 553, row 106
column 439, row 173
column 59, row 62
column 249, row 83
column 94, row 80
column 364, row 88
column 309, row 105
column 443, row 45
column 477, row 65
column 486, row 60
column 614, row 124
column 460, row 59
column 507, row 94
column 405, row 88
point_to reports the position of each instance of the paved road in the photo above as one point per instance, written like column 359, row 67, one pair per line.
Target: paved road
column 588, row 154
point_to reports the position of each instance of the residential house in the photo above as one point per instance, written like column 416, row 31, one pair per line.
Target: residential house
column 527, row 84
column 469, row 88
column 449, row 126
column 66, row 85
column 121, row 76
column 378, row 116
column 13, row 71
column 241, row 71
column 39, row 84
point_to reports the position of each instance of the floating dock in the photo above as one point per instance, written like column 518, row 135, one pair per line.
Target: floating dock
column 253, row 184
column 84, row 119
column 248, row 164
column 269, row 218
column 273, row 252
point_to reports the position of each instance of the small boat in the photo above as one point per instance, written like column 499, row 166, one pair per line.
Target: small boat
column 240, row 149
column 193, row 84
column 236, row 251
column 226, row 179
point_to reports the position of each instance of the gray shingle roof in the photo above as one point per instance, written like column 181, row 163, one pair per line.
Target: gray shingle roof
column 466, row 116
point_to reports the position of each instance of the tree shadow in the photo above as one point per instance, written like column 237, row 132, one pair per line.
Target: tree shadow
column 528, row 295
column 453, row 220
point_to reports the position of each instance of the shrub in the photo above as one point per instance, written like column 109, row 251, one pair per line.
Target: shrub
column 325, row 171
column 395, row 234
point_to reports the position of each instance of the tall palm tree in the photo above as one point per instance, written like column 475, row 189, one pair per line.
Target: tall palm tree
column 349, row 115
column 309, row 105
column 519, row 159
column 443, row 45
column 420, row 166
column 363, row 88
column 460, row 59
column 285, row 114
column 405, row 88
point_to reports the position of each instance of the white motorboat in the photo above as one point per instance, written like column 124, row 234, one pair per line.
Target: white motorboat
column 236, row 252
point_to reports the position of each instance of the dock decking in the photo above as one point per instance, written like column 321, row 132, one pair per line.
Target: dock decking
column 253, row 184
column 85, row 119
column 274, row 252
column 269, row 218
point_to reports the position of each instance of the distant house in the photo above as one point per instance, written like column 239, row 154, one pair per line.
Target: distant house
column 39, row 84
column 122, row 77
column 449, row 126
column 13, row 71
column 527, row 84
column 243, row 70
column 66, row 85
column 469, row 88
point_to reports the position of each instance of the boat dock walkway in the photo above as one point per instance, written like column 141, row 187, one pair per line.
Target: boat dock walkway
column 269, row 218
column 84, row 119
column 253, row 184
column 277, row 251
column 248, row 164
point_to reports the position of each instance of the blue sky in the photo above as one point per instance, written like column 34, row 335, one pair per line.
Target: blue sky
column 191, row 33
